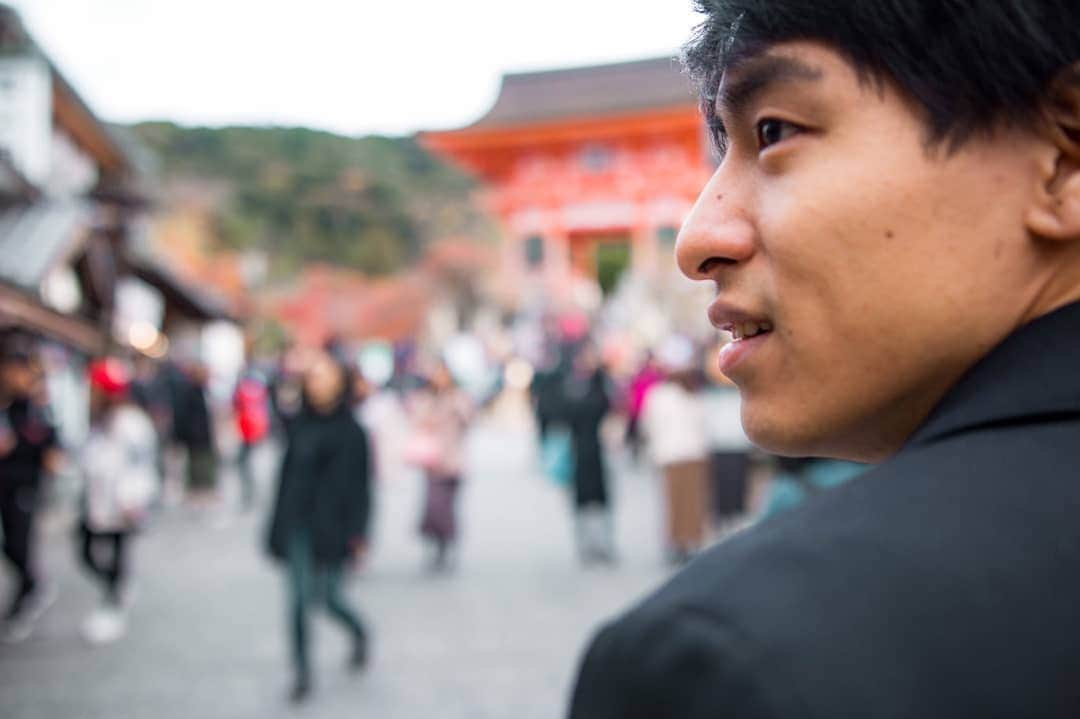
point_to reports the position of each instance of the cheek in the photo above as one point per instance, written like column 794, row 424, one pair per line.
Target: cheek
column 847, row 247
column 837, row 273
column 869, row 288
column 818, row 265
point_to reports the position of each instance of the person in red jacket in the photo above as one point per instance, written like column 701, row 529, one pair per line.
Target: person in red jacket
column 251, row 410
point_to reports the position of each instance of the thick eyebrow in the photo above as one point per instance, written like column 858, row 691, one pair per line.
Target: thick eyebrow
column 744, row 83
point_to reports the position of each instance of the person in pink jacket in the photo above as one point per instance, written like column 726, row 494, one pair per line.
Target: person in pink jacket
column 441, row 413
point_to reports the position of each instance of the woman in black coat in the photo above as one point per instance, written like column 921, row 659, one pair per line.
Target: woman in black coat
column 320, row 517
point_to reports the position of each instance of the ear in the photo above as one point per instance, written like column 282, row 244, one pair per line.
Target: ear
column 1055, row 213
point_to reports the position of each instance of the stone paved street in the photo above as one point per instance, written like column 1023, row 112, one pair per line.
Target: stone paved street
column 499, row 638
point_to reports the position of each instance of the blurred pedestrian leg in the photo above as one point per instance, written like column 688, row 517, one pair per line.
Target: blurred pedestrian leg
column 439, row 524
column 17, row 512
column 104, row 554
column 311, row 581
column 202, row 472
column 247, row 475
column 687, row 491
column 30, row 596
column 595, row 534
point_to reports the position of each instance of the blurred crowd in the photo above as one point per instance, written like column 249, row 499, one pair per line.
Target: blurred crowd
column 345, row 417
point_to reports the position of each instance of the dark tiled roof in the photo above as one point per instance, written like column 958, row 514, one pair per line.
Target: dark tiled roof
column 584, row 91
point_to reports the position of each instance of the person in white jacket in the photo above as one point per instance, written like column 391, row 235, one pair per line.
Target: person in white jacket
column 673, row 421
column 120, row 473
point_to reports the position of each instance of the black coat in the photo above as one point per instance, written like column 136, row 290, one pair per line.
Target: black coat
column 35, row 437
column 325, row 485
column 942, row 584
column 191, row 422
column 580, row 404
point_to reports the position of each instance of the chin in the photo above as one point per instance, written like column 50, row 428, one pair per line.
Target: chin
column 776, row 437
column 781, row 436
column 780, row 443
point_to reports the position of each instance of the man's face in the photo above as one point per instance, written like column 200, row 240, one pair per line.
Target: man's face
column 883, row 267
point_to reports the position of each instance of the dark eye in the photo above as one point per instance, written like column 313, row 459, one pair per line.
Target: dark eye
column 771, row 131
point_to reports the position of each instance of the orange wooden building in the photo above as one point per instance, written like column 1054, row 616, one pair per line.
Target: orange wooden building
column 590, row 170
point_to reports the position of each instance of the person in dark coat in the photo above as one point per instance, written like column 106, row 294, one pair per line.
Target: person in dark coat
column 321, row 513
column 894, row 234
column 543, row 389
column 193, row 428
column 581, row 400
column 29, row 449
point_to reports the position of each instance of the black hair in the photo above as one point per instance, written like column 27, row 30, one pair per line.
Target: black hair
column 972, row 66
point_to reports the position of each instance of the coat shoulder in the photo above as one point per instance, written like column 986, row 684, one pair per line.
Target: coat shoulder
column 663, row 660
column 864, row 595
column 720, row 634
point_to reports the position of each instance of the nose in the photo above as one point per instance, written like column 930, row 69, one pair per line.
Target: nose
column 718, row 232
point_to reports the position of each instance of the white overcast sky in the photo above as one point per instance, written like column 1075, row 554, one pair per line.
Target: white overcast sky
column 350, row 66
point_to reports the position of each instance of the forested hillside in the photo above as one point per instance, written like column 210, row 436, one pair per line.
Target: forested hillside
column 303, row 195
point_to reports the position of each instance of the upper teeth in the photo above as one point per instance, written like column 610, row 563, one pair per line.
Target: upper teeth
column 742, row 330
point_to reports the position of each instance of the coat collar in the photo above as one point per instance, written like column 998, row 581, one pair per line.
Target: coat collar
column 1034, row 373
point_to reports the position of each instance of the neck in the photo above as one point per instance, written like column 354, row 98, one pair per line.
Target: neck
column 1060, row 284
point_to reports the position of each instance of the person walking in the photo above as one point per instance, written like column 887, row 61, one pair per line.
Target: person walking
column 29, row 449
column 321, row 512
column 193, row 428
column 647, row 377
column 545, row 389
column 119, row 467
column 673, row 422
column 251, row 411
column 441, row 413
column 730, row 452
column 582, row 401
column 150, row 391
